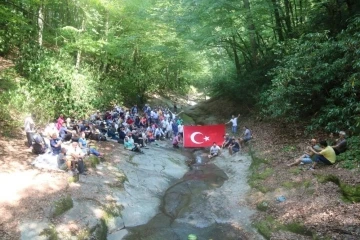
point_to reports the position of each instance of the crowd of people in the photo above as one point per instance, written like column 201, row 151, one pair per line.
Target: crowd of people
column 133, row 128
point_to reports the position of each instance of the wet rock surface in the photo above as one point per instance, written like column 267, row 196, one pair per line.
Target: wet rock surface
column 206, row 202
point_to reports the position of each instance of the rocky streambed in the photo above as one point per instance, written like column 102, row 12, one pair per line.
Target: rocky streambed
column 155, row 195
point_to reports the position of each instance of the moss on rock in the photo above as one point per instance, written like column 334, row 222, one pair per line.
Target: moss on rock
column 62, row 205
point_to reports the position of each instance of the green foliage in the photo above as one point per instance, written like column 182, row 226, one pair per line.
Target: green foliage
column 113, row 209
column 101, row 230
column 350, row 192
column 92, row 160
column 290, row 185
column 289, row 148
column 269, row 225
column 262, row 206
column 62, row 205
column 7, row 86
column 50, row 233
column 51, row 86
column 318, row 78
column 350, row 159
column 259, row 172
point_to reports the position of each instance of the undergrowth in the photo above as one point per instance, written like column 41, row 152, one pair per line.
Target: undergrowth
column 269, row 225
column 350, row 159
column 349, row 192
column 260, row 171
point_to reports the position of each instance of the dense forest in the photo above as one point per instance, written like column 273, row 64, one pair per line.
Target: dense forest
column 293, row 59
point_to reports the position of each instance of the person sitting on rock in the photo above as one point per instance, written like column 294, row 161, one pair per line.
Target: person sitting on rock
column 64, row 133
column 112, row 131
column 150, row 136
column 341, row 144
column 226, row 142
column 130, row 145
column 39, row 144
column 326, row 156
column 60, row 121
column 62, row 162
column 85, row 147
column 76, row 156
column 138, row 139
column 234, row 146
column 55, row 144
column 176, row 140
column 214, row 151
column 308, row 157
column 159, row 134
column 122, row 134
column 50, row 129
column 246, row 136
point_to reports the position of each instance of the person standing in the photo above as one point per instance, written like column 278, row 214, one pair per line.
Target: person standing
column 29, row 126
column 233, row 120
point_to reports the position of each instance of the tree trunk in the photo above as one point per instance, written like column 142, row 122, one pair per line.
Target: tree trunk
column 40, row 25
column 278, row 27
column 287, row 17
column 236, row 57
column 301, row 11
column 105, row 62
column 252, row 32
column 78, row 56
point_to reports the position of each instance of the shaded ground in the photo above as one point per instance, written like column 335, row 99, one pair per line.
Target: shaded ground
column 28, row 193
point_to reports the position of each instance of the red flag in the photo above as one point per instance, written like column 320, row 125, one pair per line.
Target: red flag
column 203, row 136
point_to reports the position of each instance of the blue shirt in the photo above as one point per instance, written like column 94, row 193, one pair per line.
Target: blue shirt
column 83, row 143
column 62, row 132
column 53, row 143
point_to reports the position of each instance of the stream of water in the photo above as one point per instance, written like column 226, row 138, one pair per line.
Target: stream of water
column 192, row 206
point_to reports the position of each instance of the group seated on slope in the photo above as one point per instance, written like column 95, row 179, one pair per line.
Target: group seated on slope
column 322, row 153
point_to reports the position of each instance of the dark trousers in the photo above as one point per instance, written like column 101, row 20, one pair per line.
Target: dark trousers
column 80, row 166
column 29, row 136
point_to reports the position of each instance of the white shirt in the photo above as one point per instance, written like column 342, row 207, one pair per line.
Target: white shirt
column 180, row 128
column 158, row 132
column 163, row 124
column 234, row 121
column 29, row 124
column 68, row 121
column 214, row 149
column 169, row 127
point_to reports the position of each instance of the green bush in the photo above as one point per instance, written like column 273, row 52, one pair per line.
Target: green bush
column 351, row 157
column 319, row 79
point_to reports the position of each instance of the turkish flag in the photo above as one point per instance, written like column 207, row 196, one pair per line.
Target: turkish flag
column 203, row 136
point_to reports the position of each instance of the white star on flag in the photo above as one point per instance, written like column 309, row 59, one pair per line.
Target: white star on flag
column 206, row 138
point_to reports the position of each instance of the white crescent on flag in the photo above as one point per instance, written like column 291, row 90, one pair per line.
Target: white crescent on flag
column 193, row 135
